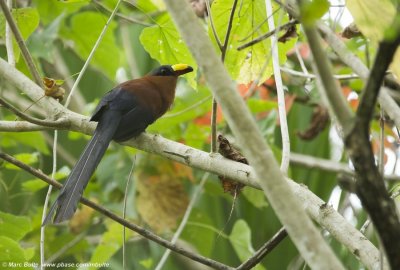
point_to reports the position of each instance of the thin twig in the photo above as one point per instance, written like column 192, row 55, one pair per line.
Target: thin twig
column 65, row 248
column 267, row 35
column 263, row 250
column 312, row 76
column 279, row 88
column 46, row 123
column 46, row 201
column 9, row 41
column 85, row 66
column 124, row 212
column 219, row 43
column 184, row 221
column 21, row 43
column 143, row 232
column 224, row 49
column 122, row 16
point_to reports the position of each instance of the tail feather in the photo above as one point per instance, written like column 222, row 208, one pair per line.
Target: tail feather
column 71, row 192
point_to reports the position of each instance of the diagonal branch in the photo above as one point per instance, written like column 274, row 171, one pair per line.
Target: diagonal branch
column 21, row 43
column 264, row 250
column 143, row 232
column 299, row 226
column 267, row 35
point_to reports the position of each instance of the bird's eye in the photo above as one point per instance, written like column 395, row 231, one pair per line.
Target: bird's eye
column 163, row 71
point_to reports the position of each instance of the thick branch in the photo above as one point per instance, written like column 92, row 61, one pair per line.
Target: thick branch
column 60, row 123
column 300, row 228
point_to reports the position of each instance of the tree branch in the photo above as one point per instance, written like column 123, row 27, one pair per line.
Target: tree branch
column 370, row 186
column 267, row 35
column 264, row 250
column 60, row 123
column 300, row 228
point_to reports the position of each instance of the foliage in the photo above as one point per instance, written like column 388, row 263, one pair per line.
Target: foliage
column 60, row 36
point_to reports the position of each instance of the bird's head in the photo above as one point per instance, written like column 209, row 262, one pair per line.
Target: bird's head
column 171, row 70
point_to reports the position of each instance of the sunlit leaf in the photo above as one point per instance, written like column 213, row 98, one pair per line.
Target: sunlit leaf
column 372, row 17
column 163, row 43
column 249, row 23
column 313, row 10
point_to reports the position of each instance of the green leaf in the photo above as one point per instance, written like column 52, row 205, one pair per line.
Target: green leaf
column 27, row 158
column 41, row 43
column 249, row 23
column 110, row 243
column 258, row 105
column 31, row 139
column 164, row 44
column 84, row 30
column 200, row 232
column 313, row 10
column 27, row 20
column 12, row 256
column 14, row 227
column 240, row 239
column 50, row 10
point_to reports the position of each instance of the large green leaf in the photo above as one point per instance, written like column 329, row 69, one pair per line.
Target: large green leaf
column 14, row 227
column 163, row 43
column 50, row 10
column 27, row 20
column 84, row 31
column 249, row 22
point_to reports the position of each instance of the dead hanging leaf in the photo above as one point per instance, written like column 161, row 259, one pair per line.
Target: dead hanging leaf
column 291, row 32
column 319, row 120
column 228, row 151
column 52, row 88
column 351, row 31
column 161, row 199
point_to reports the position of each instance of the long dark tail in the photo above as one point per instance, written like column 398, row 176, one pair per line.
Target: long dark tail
column 71, row 192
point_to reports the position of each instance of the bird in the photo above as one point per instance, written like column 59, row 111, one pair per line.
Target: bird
column 123, row 113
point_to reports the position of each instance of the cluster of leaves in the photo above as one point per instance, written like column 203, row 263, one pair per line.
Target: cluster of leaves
column 62, row 33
